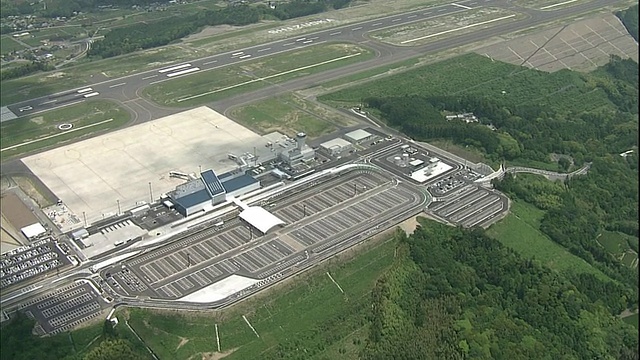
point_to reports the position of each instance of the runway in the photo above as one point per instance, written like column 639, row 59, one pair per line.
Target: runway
column 126, row 90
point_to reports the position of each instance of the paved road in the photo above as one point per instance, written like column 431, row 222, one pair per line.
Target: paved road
column 126, row 90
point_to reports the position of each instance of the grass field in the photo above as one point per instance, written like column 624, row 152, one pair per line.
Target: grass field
column 42, row 130
column 308, row 314
column 207, row 86
column 618, row 245
column 520, row 231
column 289, row 115
column 565, row 90
column 7, row 45
column 632, row 320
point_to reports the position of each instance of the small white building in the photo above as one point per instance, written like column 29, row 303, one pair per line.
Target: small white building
column 358, row 136
column 33, row 231
column 336, row 146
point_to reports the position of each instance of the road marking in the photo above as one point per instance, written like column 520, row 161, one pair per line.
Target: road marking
column 84, row 90
column 174, row 68
column 411, row 16
column 314, row 38
column 441, row 10
column 301, row 39
column 265, row 49
column 288, row 44
column 376, row 24
column 116, row 85
column 92, row 94
column 460, row 28
column 48, row 102
column 558, row 4
column 307, row 42
column 462, row 6
column 183, row 72
column 238, row 53
column 210, row 62
column 394, row 20
column 54, row 135
column 244, row 56
column 335, row 33
column 149, row 77
column 427, row 13
column 356, row 28
column 268, row 77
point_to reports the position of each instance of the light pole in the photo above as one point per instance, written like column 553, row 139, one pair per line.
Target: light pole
column 118, row 202
column 150, row 193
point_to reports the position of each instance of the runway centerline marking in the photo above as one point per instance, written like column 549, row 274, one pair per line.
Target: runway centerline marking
column 457, row 29
column 116, row 85
column 54, row 135
column 394, row 20
column 356, row 28
column 268, row 77
column 149, row 77
column 411, row 16
column 210, row 62
column 335, row 33
column 462, row 6
column 265, row 49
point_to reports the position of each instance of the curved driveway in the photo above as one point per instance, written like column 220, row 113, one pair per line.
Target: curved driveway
column 126, row 90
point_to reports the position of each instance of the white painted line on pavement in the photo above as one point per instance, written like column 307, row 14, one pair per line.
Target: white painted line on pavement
column 288, row 44
column 460, row 28
column 356, row 28
column 238, row 53
column 84, row 90
column 92, row 94
column 394, row 20
column 411, row 16
column 462, row 6
column 116, row 85
column 183, row 72
column 558, row 4
column 244, row 56
column 335, row 33
column 210, row 62
column 376, row 24
column 174, row 68
column 301, row 39
column 265, row 49
column 149, row 77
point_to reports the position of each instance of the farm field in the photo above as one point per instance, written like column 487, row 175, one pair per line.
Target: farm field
column 206, row 86
column 516, row 85
column 42, row 130
column 618, row 245
column 290, row 114
column 519, row 231
column 310, row 314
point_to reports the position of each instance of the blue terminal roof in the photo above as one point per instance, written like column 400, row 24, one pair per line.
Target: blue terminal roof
column 238, row 182
column 212, row 182
column 194, row 198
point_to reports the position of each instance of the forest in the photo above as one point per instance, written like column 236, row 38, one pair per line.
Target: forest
column 465, row 296
column 578, row 210
column 67, row 8
column 25, row 69
column 141, row 36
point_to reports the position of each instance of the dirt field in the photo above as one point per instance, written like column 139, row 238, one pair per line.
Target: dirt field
column 582, row 46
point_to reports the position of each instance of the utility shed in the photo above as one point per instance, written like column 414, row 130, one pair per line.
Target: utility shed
column 357, row 136
column 33, row 231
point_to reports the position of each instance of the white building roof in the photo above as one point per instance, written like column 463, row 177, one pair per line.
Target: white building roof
column 416, row 162
column 33, row 230
column 357, row 135
column 335, row 143
column 260, row 218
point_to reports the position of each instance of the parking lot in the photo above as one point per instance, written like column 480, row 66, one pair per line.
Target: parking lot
column 64, row 308
column 26, row 262
column 471, row 206
column 340, row 207
column 448, row 184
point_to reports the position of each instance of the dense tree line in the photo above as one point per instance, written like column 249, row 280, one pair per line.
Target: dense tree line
column 18, row 343
column 60, row 8
column 24, row 70
column 458, row 294
column 135, row 37
column 629, row 18
column 527, row 131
